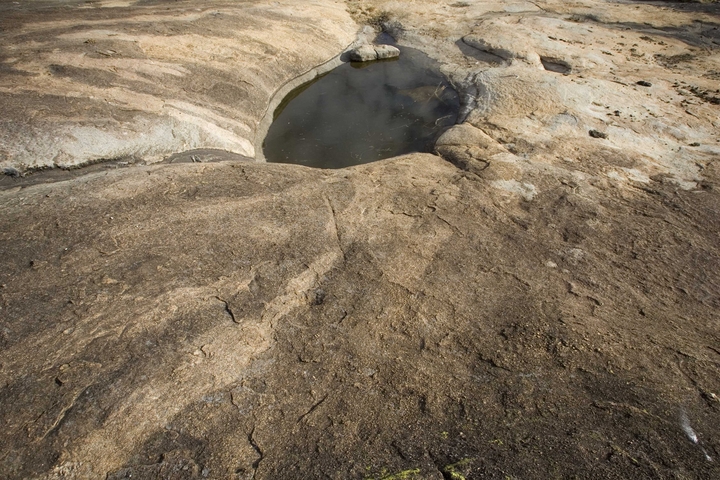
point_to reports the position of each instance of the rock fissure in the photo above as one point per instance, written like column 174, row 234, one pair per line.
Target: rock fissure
column 228, row 310
column 258, row 450
column 335, row 229
column 314, row 407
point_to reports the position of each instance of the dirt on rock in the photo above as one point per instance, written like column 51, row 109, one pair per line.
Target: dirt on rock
column 528, row 302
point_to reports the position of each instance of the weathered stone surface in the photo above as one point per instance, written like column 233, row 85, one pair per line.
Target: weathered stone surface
column 104, row 80
column 363, row 53
column 172, row 311
column 368, row 53
column 386, row 51
column 550, row 306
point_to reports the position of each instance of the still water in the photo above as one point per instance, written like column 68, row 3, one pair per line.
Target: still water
column 360, row 113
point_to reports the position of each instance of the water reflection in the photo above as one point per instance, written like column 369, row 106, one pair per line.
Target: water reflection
column 359, row 113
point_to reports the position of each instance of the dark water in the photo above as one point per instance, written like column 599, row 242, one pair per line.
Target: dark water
column 359, row 113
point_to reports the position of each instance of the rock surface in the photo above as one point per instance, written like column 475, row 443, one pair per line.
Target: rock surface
column 83, row 81
column 531, row 302
column 368, row 53
column 363, row 53
column 386, row 51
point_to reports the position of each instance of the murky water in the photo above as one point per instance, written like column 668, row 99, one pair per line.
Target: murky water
column 359, row 113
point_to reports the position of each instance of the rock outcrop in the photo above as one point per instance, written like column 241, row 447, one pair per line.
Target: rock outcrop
column 82, row 82
column 530, row 302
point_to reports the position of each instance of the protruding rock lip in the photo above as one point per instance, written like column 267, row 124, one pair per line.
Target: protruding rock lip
column 386, row 51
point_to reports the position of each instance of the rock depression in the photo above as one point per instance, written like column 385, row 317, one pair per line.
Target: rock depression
column 87, row 81
column 531, row 302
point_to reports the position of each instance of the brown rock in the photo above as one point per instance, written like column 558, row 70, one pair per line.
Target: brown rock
column 553, row 311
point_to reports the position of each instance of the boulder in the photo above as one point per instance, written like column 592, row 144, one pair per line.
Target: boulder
column 363, row 53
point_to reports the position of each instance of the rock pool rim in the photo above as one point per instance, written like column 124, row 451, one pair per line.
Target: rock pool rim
column 59, row 173
column 286, row 89
column 391, row 108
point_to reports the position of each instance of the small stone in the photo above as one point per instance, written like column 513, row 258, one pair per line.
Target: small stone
column 317, row 297
column 643, row 83
column 11, row 172
column 598, row 134
column 386, row 51
column 207, row 350
column 695, row 144
column 363, row 53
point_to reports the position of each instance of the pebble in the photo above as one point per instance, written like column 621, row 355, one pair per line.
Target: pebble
column 11, row 172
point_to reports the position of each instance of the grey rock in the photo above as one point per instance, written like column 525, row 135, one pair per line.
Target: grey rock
column 368, row 53
column 10, row 172
column 386, row 51
column 363, row 53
